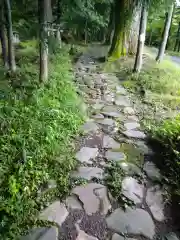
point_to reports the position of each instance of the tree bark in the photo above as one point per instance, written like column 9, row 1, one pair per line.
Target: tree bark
column 141, row 38
column 177, row 38
column 126, row 28
column 58, row 19
column 11, row 55
column 150, row 37
column 179, row 46
column 165, row 34
column 43, row 44
column 117, row 48
column 134, row 31
column 3, row 36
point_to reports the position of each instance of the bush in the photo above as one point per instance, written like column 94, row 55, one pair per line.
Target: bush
column 37, row 125
column 166, row 137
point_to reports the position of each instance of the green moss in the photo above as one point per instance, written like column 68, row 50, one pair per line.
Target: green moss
column 133, row 154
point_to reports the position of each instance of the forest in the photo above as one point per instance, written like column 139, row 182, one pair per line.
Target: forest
column 47, row 48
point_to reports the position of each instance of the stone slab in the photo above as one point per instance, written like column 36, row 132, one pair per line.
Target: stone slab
column 131, row 221
column 72, row 202
column 56, row 212
column 132, row 189
column 90, row 126
column 106, row 121
column 152, row 171
column 131, row 125
column 155, row 201
column 92, row 202
column 134, row 134
column 115, row 156
column 110, row 143
column 129, row 111
column 86, row 154
column 88, row 173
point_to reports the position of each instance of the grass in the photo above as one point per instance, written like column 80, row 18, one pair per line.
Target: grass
column 172, row 53
column 37, row 123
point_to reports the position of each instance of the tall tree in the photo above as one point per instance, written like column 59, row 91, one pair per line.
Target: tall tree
column 177, row 38
column 44, row 16
column 3, row 36
column 11, row 54
column 141, row 38
column 125, row 28
column 167, row 25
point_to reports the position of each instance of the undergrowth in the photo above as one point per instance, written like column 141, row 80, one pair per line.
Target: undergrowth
column 165, row 139
column 158, row 83
column 37, row 123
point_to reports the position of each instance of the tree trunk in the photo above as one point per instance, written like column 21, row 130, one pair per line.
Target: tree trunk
column 134, row 31
column 117, row 48
column 110, row 26
column 141, row 38
column 58, row 33
column 177, row 38
column 179, row 45
column 3, row 37
column 11, row 55
column 169, row 35
column 150, row 37
column 125, row 30
column 85, row 33
column 43, row 45
column 165, row 35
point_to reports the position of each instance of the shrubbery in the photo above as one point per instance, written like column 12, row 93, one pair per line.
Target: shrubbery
column 37, row 124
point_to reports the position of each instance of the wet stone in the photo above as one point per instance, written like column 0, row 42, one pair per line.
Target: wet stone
column 134, row 134
column 155, row 201
column 92, row 202
column 93, row 141
column 110, row 143
column 170, row 236
column 110, row 108
column 133, row 118
column 131, row 125
column 84, row 236
column 109, row 98
column 130, row 168
column 132, row 189
column 107, row 122
column 122, row 101
column 113, row 114
column 86, row 154
column 119, row 237
column 72, row 202
column 131, row 221
column 56, row 212
column 152, row 171
column 98, row 116
column 88, row 173
column 97, row 106
column 121, row 90
column 115, row 156
column 129, row 111
column 90, row 126
column 105, row 205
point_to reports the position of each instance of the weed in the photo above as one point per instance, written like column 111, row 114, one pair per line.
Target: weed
column 37, row 125
column 114, row 177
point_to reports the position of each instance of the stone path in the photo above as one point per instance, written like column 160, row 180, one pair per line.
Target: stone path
column 111, row 134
